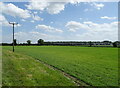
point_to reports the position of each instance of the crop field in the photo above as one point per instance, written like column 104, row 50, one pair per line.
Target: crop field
column 96, row 66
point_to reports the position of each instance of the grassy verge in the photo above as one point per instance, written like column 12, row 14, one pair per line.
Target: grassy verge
column 22, row 70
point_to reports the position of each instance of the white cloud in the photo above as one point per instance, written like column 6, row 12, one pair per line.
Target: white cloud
column 86, row 10
column 105, row 27
column 94, row 31
column 80, row 18
column 48, row 28
column 50, row 7
column 76, row 1
column 109, row 18
column 97, row 5
column 23, row 20
column 97, row 36
column 37, row 18
column 12, row 10
column 54, row 7
column 74, row 26
column 51, row 22
column 35, row 12
column 3, row 21
column 32, row 21
column 32, row 35
column 18, row 25
column 36, row 5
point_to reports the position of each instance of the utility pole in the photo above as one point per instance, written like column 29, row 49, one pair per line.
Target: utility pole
column 13, row 23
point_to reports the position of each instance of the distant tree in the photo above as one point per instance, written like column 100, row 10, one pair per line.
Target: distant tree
column 40, row 41
column 15, row 41
column 28, row 42
column 90, row 43
column 107, row 41
column 114, row 44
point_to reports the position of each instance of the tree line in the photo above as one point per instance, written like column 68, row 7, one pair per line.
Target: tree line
column 70, row 43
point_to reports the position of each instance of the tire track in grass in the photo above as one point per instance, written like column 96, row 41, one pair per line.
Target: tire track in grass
column 77, row 81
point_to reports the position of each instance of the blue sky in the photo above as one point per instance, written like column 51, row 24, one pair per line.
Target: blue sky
column 94, row 21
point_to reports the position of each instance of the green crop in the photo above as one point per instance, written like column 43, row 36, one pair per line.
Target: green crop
column 97, row 66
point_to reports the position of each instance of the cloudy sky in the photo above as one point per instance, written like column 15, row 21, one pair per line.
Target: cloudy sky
column 60, row 21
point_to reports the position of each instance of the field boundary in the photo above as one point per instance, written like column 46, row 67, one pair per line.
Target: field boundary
column 77, row 81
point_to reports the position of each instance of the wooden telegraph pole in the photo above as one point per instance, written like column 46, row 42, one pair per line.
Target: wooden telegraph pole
column 13, row 23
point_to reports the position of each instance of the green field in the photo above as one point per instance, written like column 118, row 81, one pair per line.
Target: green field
column 97, row 66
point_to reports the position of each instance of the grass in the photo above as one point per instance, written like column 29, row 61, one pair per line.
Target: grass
column 97, row 66
column 22, row 70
